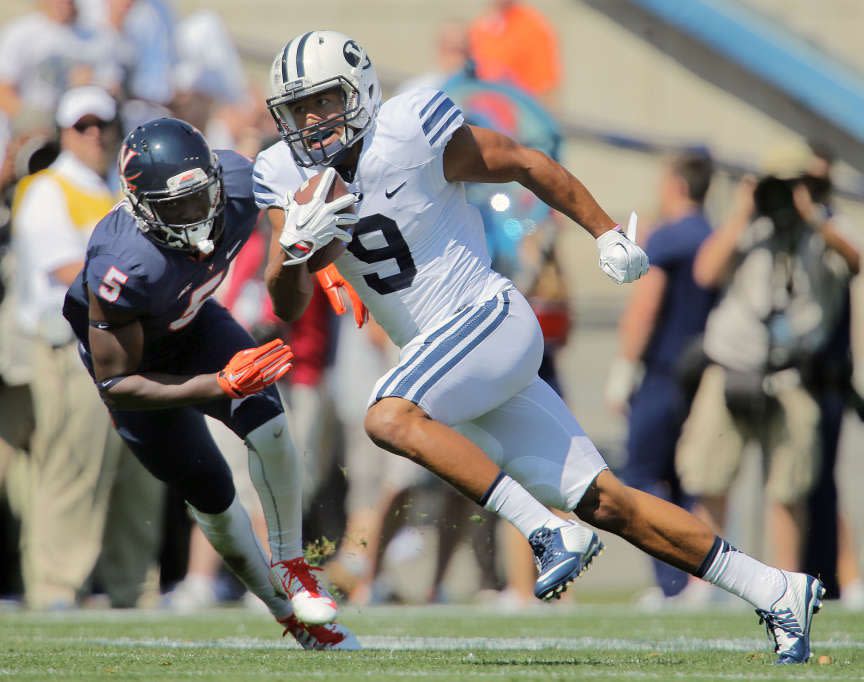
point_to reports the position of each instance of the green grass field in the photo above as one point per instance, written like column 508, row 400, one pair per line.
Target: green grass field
column 429, row 643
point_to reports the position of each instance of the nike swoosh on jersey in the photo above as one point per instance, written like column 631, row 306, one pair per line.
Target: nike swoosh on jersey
column 231, row 251
column 184, row 290
column 391, row 193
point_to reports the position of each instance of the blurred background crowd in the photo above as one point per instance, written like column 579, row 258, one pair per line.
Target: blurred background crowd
column 724, row 380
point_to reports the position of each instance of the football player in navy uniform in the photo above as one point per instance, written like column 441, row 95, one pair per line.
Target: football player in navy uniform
column 163, row 354
column 464, row 399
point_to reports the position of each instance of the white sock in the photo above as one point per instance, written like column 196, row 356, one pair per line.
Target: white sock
column 232, row 536
column 511, row 501
column 742, row 575
column 276, row 471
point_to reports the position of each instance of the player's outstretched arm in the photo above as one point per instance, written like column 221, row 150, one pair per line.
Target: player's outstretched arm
column 117, row 343
column 477, row 154
column 481, row 155
column 289, row 286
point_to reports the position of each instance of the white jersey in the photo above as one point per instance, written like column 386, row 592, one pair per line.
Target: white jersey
column 419, row 253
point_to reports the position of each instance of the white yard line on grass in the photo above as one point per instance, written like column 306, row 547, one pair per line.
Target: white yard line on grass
column 505, row 674
column 377, row 643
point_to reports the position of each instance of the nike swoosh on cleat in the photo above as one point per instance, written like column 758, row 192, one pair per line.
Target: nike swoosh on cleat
column 391, row 193
column 557, row 567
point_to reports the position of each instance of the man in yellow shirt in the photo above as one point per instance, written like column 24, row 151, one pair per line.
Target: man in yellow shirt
column 75, row 453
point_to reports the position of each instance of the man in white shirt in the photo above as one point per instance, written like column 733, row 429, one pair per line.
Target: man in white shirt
column 75, row 453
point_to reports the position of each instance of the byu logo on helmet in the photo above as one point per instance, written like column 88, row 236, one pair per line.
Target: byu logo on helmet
column 354, row 54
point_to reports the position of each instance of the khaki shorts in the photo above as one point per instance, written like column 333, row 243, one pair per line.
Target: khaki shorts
column 374, row 473
column 712, row 442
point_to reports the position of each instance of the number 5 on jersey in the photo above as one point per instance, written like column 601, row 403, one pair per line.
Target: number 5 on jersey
column 112, row 284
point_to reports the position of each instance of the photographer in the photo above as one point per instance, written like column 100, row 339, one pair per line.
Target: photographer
column 783, row 267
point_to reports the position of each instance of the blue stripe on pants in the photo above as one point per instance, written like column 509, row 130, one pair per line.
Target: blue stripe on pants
column 452, row 362
column 424, row 348
column 432, row 356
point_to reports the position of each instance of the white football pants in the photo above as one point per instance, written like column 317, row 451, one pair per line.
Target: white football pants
column 477, row 372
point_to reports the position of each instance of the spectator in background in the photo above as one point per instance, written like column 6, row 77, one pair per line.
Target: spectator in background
column 39, row 53
column 151, row 27
column 832, row 552
column 378, row 488
column 451, row 57
column 513, row 42
column 140, row 37
column 76, row 455
column 210, row 84
column 785, row 273
column 665, row 314
column 140, row 34
column 40, row 56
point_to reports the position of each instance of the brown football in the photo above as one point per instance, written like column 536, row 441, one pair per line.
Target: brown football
column 326, row 254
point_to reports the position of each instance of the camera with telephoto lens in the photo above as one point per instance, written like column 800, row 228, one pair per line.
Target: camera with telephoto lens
column 774, row 198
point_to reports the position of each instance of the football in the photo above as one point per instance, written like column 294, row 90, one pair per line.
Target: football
column 326, row 254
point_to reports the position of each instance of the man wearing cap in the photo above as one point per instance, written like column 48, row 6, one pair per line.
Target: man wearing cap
column 783, row 268
column 75, row 454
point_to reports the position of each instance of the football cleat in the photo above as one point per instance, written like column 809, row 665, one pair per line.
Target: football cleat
column 312, row 604
column 332, row 636
column 789, row 619
column 559, row 557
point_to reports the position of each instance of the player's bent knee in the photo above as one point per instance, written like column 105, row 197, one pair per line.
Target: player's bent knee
column 388, row 423
column 208, row 493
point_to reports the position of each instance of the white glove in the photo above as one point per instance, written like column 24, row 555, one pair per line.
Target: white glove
column 308, row 227
column 620, row 257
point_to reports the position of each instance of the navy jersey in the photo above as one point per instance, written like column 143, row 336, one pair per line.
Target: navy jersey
column 163, row 287
column 672, row 247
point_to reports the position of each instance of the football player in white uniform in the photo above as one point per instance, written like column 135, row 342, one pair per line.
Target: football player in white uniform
column 465, row 400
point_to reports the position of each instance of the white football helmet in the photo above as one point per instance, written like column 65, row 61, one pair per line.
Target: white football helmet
column 314, row 62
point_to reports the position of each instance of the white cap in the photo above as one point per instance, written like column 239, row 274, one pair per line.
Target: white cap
column 77, row 103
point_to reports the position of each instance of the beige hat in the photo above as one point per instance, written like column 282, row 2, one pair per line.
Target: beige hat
column 77, row 103
column 787, row 161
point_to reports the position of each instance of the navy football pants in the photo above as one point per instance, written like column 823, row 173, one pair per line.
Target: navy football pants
column 657, row 414
column 174, row 444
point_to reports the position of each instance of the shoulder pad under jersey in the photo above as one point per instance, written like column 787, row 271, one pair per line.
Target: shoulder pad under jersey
column 418, row 123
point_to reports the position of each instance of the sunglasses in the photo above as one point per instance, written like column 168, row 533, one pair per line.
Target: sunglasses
column 86, row 122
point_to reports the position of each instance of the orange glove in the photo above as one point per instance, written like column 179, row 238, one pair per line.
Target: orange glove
column 332, row 281
column 253, row 369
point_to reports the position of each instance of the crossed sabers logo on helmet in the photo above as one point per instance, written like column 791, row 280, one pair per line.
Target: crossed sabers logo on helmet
column 126, row 155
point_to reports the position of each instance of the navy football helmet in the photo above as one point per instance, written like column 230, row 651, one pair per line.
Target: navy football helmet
column 173, row 184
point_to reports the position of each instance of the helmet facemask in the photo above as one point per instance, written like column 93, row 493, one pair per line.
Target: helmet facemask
column 305, row 143
column 314, row 63
column 188, row 214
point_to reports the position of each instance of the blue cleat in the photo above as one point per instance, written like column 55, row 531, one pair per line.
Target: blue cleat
column 789, row 619
column 562, row 555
